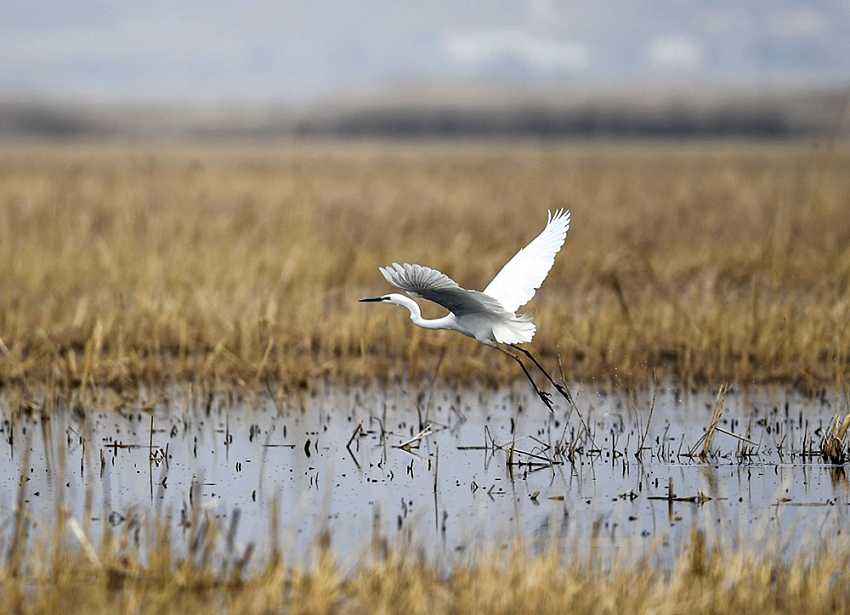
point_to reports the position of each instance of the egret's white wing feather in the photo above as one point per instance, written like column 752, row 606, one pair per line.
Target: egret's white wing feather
column 435, row 286
column 516, row 283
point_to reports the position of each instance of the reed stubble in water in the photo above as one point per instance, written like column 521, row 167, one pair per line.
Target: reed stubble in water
column 240, row 264
column 141, row 559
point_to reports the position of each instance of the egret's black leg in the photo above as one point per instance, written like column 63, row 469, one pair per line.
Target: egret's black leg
column 562, row 389
column 543, row 395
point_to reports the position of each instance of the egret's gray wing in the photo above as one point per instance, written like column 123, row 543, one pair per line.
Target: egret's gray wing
column 435, row 286
column 516, row 283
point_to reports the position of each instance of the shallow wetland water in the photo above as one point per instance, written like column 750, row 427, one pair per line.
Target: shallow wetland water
column 492, row 465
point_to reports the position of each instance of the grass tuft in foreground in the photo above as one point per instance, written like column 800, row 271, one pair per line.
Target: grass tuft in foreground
column 69, row 574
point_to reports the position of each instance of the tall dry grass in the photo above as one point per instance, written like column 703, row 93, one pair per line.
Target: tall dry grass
column 141, row 571
column 237, row 263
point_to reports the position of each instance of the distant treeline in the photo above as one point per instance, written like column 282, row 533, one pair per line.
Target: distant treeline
column 776, row 115
column 45, row 120
column 589, row 121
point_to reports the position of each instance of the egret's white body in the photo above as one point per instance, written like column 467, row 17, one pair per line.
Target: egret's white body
column 489, row 316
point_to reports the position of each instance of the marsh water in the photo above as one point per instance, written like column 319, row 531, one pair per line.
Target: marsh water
column 448, row 471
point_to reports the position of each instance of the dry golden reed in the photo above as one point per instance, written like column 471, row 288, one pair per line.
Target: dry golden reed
column 68, row 573
column 709, row 262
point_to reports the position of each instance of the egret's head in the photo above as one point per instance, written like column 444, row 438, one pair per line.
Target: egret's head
column 393, row 298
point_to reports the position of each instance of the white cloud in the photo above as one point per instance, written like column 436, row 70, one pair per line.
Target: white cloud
column 541, row 53
column 675, row 52
column 801, row 22
column 544, row 12
column 726, row 20
column 141, row 40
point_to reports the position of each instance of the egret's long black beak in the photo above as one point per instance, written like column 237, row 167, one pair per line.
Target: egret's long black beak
column 371, row 300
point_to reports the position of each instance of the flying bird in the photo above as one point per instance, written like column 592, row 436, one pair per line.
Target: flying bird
column 489, row 316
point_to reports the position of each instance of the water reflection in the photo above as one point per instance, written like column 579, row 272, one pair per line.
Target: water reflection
column 450, row 471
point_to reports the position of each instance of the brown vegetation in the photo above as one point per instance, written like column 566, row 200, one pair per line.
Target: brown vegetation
column 238, row 263
column 71, row 573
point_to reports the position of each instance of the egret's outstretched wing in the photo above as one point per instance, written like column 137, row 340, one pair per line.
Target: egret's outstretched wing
column 435, row 286
column 516, row 283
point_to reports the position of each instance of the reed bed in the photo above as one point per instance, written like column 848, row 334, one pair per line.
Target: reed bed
column 137, row 571
column 242, row 263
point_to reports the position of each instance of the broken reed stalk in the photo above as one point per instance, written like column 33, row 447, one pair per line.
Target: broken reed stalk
column 717, row 414
column 707, row 438
column 832, row 445
column 431, row 381
column 354, row 434
column 639, row 451
column 736, row 436
column 416, row 440
column 565, row 392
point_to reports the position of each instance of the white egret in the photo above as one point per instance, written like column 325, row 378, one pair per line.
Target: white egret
column 490, row 317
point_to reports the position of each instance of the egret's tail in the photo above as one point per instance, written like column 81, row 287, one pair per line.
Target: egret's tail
column 517, row 330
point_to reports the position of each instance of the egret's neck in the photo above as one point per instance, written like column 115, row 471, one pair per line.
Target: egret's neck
column 416, row 315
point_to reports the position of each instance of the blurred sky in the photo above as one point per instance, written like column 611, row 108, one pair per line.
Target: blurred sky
column 227, row 51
